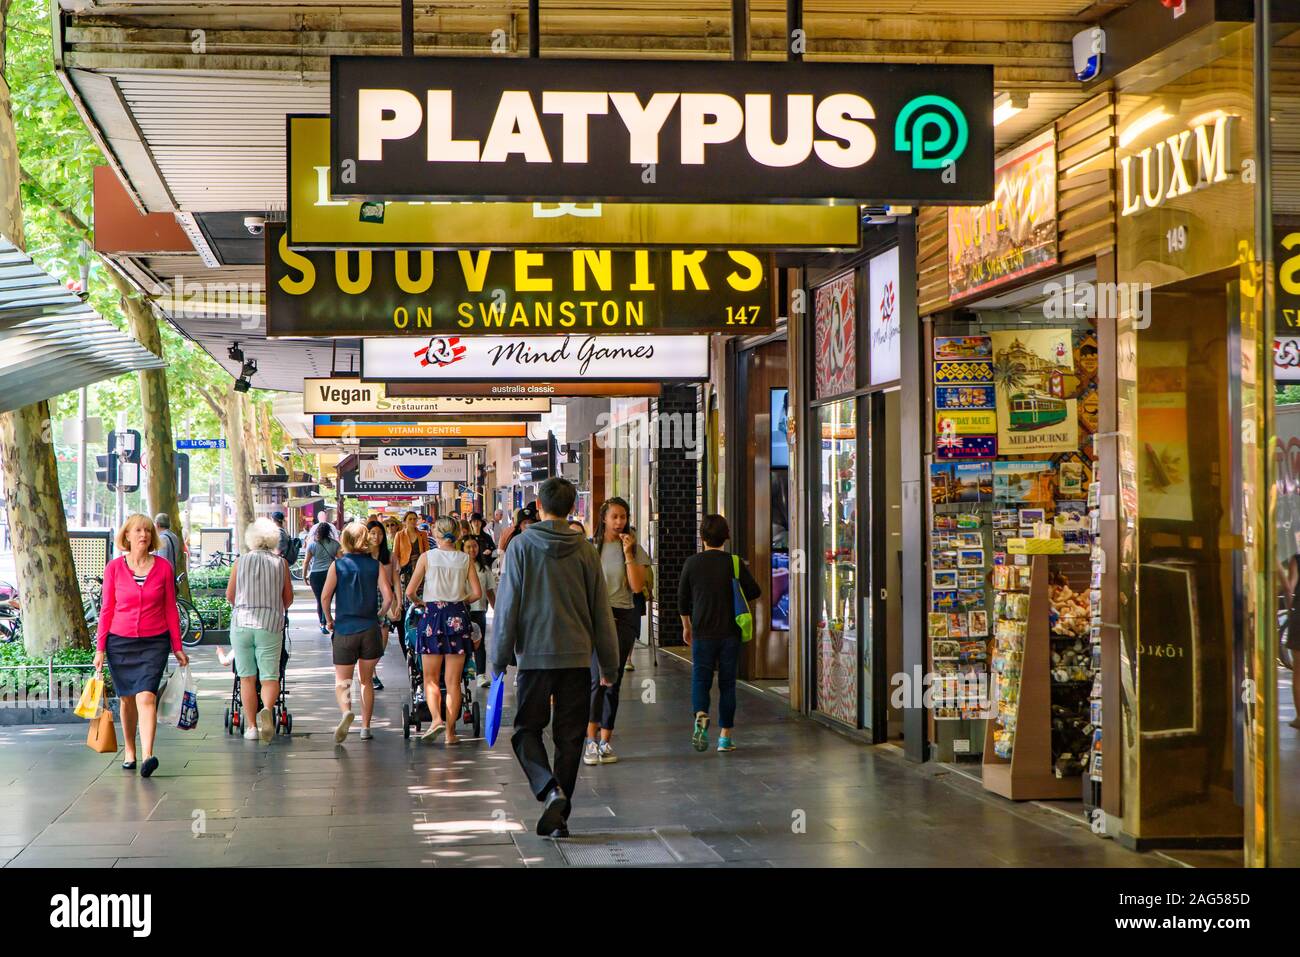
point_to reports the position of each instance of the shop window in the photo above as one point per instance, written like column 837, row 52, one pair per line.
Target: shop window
column 836, row 662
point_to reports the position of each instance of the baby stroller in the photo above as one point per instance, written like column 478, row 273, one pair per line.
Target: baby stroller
column 416, row 712
column 280, row 716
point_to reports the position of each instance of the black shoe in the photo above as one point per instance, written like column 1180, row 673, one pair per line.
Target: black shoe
column 128, row 765
column 554, row 813
column 149, row 767
column 376, row 683
column 561, row 831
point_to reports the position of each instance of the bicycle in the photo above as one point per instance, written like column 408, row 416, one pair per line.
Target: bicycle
column 297, row 569
column 220, row 560
column 93, row 598
column 193, row 627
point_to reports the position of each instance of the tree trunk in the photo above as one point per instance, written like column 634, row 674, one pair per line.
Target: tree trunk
column 53, row 617
column 267, row 446
column 237, row 444
column 47, row 579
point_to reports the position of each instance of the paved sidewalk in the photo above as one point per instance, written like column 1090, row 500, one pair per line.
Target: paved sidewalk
column 793, row 793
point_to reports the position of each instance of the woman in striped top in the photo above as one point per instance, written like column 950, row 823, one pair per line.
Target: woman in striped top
column 260, row 591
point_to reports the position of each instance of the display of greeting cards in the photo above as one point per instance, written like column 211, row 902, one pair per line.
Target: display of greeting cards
column 945, row 649
column 1024, row 483
column 968, row 580
column 972, row 598
column 1070, row 514
column 943, row 580
column 960, row 348
column 943, row 600
column 1006, row 518
column 970, row 520
column 1071, row 479
column 943, row 561
column 970, row 558
column 978, row 624
column 938, row 624
column 957, row 625
column 1030, row 517
column 970, row 539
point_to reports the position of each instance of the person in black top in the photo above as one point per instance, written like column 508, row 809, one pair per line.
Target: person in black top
column 704, row 597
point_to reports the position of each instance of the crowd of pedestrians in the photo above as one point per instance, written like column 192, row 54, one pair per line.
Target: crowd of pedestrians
column 566, row 614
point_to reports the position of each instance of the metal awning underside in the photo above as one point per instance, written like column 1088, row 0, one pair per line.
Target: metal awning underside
column 50, row 341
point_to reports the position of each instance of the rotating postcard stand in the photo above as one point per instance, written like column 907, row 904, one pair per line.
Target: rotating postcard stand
column 1018, row 735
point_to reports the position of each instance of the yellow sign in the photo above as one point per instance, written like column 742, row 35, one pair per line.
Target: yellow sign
column 966, row 422
column 1035, row 546
column 318, row 222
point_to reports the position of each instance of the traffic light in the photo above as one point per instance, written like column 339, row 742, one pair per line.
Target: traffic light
column 121, row 466
column 106, row 470
column 543, row 458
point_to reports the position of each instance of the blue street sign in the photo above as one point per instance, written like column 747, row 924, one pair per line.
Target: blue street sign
column 200, row 443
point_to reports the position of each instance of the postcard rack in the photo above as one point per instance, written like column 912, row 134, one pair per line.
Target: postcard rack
column 1018, row 760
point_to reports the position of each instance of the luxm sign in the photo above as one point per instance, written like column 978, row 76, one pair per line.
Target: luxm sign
column 565, row 130
column 1200, row 156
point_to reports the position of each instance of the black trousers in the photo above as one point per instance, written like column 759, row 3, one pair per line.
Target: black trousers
column 604, row 701
column 317, row 582
column 533, row 713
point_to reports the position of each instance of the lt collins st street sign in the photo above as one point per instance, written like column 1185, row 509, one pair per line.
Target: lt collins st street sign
column 714, row 132
column 423, row 292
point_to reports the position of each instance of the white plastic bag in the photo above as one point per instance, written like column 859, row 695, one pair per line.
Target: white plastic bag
column 173, row 695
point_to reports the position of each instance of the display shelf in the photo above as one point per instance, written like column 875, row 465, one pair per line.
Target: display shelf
column 1024, row 699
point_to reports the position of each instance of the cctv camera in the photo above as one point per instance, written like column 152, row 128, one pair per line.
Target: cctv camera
column 255, row 224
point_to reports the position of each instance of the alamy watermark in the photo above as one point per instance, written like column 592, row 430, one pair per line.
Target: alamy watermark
column 1098, row 300
column 654, row 430
column 242, row 301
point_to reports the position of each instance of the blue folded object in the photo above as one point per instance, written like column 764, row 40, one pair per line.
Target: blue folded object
column 496, row 700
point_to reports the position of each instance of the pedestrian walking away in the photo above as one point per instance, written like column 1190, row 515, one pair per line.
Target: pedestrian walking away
column 170, row 546
column 379, row 550
column 478, row 610
column 355, row 586
column 138, row 625
column 623, row 565
column 553, row 613
column 443, row 585
column 321, row 552
column 260, row 593
column 706, row 601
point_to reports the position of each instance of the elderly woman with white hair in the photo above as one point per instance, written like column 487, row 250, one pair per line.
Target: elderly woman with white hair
column 259, row 591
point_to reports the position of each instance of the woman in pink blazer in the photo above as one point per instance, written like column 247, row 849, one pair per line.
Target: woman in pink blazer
column 138, row 627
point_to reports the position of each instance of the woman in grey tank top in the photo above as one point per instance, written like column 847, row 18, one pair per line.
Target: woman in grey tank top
column 259, row 593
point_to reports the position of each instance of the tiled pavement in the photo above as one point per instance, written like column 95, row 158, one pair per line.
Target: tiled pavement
column 793, row 794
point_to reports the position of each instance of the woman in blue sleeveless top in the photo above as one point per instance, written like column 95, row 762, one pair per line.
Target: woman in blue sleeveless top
column 352, row 590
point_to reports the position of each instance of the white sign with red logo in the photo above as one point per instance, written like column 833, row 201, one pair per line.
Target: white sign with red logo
column 1286, row 359
column 536, row 358
column 885, row 327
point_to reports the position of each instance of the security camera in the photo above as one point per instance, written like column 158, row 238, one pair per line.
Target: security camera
column 255, row 225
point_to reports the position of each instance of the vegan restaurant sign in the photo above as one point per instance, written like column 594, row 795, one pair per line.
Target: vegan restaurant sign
column 419, row 292
column 318, row 222
column 354, row 397
column 704, row 131
column 1014, row 235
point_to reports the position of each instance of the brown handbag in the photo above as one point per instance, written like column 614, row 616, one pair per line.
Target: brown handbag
column 102, row 736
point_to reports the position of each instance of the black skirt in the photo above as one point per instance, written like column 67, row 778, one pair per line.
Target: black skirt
column 137, row 664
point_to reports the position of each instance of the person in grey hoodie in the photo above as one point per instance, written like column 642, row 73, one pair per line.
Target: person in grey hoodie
column 552, row 610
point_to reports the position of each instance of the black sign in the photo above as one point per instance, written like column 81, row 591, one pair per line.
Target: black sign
column 349, row 485
column 717, row 132
column 514, row 291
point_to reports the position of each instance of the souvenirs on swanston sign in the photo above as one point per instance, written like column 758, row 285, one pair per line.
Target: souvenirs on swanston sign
column 487, row 291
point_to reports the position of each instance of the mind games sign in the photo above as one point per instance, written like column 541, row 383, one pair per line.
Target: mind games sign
column 502, row 128
column 486, row 291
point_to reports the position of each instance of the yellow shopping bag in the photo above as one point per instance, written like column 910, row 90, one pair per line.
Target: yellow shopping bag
column 92, row 698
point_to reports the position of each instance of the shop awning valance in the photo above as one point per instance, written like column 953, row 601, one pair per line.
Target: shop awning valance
column 50, row 341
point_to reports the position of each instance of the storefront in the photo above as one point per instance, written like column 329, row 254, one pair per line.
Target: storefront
column 847, row 406
column 1015, row 391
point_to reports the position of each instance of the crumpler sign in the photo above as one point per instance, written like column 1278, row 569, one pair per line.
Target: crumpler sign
column 318, row 222
column 420, row 292
column 715, row 132
column 544, row 358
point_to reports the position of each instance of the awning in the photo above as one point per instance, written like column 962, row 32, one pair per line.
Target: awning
column 305, row 502
column 50, row 341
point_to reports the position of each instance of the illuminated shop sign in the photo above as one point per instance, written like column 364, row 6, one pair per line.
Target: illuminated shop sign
column 318, row 222
column 486, row 291
column 551, row 129
column 1200, row 156
column 354, row 397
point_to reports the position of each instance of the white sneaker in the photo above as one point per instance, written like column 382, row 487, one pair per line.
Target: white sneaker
column 606, row 754
column 341, row 729
column 265, row 725
column 484, row 681
column 591, row 752
column 250, row 733
column 365, row 734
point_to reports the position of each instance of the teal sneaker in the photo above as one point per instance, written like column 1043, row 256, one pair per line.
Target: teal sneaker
column 726, row 744
column 700, row 736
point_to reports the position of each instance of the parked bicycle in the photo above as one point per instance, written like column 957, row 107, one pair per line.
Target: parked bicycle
column 193, row 626
column 220, row 559
column 11, row 617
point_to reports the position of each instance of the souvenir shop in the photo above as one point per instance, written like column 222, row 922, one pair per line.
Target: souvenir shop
column 1015, row 453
